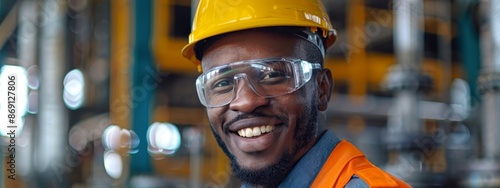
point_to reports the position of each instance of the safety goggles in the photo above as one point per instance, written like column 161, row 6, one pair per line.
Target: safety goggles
column 266, row 77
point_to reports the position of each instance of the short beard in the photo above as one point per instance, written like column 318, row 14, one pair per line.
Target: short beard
column 273, row 175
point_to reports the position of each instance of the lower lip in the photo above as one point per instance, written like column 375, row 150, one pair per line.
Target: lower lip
column 255, row 144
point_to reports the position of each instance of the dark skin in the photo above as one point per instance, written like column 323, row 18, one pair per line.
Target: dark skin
column 286, row 113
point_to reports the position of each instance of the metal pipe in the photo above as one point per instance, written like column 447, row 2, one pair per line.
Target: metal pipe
column 358, row 69
column 408, row 48
column 27, row 42
column 120, row 103
column 490, row 79
column 484, row 171
column 404, row 127
column 195, row 143
column 52, row 116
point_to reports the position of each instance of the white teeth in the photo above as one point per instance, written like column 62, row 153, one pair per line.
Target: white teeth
column 249, row 132
column 255, row 131
column 263, row 129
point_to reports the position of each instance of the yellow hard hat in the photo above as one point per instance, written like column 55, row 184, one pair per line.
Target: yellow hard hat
column 215, row 17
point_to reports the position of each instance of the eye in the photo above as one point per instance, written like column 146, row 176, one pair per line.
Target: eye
column 222, row 85
column 273, row 77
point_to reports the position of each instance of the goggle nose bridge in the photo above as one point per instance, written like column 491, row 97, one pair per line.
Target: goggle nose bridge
column 236, row 79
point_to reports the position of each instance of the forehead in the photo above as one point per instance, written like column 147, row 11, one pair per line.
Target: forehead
column 250, row 44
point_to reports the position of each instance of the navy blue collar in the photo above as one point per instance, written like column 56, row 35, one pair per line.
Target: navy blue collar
column 308, row 167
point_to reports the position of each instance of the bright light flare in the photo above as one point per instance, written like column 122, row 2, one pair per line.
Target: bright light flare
column 115, row 138
column 74, row 89
column 163, row 138
column 113, row 164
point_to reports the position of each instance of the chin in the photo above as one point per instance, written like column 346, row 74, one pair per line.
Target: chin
column 255, row 166
column 267, row 174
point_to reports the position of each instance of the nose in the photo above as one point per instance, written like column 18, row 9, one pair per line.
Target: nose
column 246, row 100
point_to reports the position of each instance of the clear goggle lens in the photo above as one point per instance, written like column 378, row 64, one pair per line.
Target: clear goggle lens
column 266, row 77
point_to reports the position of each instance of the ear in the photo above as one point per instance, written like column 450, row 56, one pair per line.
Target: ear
column 325, row 88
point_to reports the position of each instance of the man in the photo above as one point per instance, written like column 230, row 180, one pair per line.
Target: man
column 265, row 90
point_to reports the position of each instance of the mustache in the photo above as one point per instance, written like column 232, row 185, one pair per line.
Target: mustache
column 239, row 117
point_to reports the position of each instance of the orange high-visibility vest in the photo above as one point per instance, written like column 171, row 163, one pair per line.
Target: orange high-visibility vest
column 344, row 162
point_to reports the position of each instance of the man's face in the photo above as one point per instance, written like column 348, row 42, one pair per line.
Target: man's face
column 291, row 119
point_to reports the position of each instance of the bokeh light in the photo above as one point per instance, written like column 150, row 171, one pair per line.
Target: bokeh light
column 33, row 77
column 115, row 138
column 110, row 137
column 113, row 164
column 129, row 140
column 33, row 102
column 163, row 138
column 74, row 85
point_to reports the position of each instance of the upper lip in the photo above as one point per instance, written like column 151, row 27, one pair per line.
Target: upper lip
column 237, row 125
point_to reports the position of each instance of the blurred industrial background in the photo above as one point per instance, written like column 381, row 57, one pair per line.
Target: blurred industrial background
column 106, row 99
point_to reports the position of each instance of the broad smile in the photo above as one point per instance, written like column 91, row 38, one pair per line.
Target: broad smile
column 255, row 134
column 251, row 143
column 256, row 131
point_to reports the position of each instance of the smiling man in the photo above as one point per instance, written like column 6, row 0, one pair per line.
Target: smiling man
column 265, row 90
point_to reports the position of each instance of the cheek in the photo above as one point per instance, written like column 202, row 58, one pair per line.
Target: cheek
column 295, row 103
column 290, row 108
column 295, row 108
column 215, row 117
